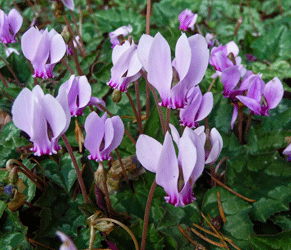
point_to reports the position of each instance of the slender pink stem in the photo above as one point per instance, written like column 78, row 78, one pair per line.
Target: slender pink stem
column 79, row 175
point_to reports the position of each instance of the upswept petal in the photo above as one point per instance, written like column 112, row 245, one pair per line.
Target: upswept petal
column 134, row 65
column 231, row 47
column 95, row 129
column 251, row 104
column 234, row 115
column 22, row 111
column 199, row 167
column 29, row 42
column 273, row 92
column 182, row 56
column 54, row 114
column 230, row 78
column 168, row 171
column 175, row 134
column 217, row 144
column 57, row 48
column 15, row 21
column 247, row 78
column 118, row 50
column 199, row 59
column 143, row 49
column 69, row 4
column 148, row 152
column 256, row 88
column 114, row 131
column 62, row 98
column 67, row 243
column 160, row 71
column 206, row 106
column 84, row 91
column 287, row 150
column 187, row 157
column 200, row 132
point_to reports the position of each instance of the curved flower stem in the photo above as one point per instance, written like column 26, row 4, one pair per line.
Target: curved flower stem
column 3, row 80
column 148, row 17
column 138, row 118
column 168, row 116
column 10, row 69
column 125, row 130
column 22, row 168
column 248, row 125
column 63, row 61
column 122, row 225
column 158, row 108
column 147, row 215
column 111, row 211
column 123, row 169
column 79, row 175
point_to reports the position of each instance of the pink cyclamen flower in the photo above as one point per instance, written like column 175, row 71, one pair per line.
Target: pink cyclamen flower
column 43, row 117
column 68, row 3
column 103, row 135
column 9, row 25
column 213, row 143
column 79, row 91
column 176, row 175
column 44, row 49
column 120, row 32
column 198, row 108
column 67, row 243
column 262, row 97
column 190, row 64
column 219, row 58
column 187, row 20
column 126, row 66
column 287, row 151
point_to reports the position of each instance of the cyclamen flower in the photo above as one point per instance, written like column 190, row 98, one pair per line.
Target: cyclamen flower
column 262, row 97
column 43, row 117
column 120, row 32
column 9, row 25
column 103, row 135
column 213, row 143
column 68, row 3
column 9, row 51
column 44, row 49
column 287, row 151
column 187, row 20
column 126, row 66
column 79, row 91
column 220, row 61
column 68, row 244
column 190, row 64
column 198, row 108
column 176, row 175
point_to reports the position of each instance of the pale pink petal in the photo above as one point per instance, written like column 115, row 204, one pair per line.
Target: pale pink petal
column 273, row 92
column 217, row 144
column 168, row 171
column 118, row 51
column 29, row 42
column 234, row 115
column 175, row 134
column 206, row 106
column 67, row 242
column 95, row 129
column 287, row 150
column 57, row 48
column 15, row 20
column 251, row 104
column 231, row 47
column 134, row 65
column 160, row 71
column 145, row 147
column 187, row 157
column 199, row 59
column 182, row 56
column 22, row 111
column 84, row 91
column 69, row 4
column 143, row 48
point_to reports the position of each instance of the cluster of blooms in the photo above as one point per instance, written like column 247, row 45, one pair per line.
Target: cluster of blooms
column 242, row 85
column 177, row 175
column 176, row 81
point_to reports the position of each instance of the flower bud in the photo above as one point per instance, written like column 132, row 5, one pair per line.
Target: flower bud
column 116, row 96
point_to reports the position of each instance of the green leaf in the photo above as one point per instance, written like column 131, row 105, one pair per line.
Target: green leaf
column 271, row 242
column 264, row 178
column 283, row 220
column 238, row 225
